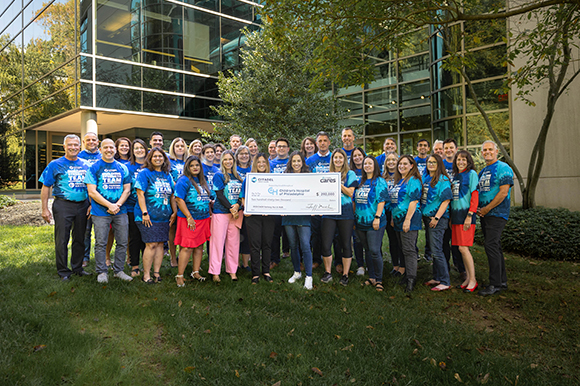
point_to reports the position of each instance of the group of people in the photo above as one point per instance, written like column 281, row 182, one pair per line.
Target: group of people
column 143, row 198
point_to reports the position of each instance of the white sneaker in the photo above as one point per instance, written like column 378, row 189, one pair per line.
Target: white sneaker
column 308, row 282
column 103, row 278
column 360, row 271
column 295, row 276
column 123, row 276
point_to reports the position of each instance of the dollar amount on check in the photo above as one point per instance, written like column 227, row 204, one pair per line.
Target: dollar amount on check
column 293, row 194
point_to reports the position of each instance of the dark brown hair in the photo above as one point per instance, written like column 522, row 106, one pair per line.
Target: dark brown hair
column 441, row 171
column 200, row 176
column 414, row 172
column 470, row 164
column 290, row 169
column 166, row 167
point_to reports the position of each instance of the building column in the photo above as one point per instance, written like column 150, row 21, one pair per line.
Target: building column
column 89, row 123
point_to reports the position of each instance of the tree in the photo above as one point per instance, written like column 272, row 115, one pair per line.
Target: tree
column 382, row 25
column 271, row 97
column 9, row 158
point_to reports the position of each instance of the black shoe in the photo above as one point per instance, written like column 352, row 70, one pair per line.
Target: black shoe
column 83, row 273
column 268, row 278
column 489, row 290
column 403, row 280
column 326, row 278
column 344, row 280
column 410, row 284
column 504, row 286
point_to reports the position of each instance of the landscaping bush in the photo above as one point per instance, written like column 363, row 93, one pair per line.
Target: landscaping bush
column 6, row 201
column 541, row 232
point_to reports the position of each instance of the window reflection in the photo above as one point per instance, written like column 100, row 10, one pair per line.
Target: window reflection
column 352, row 104
column 416, row 118
column 447, row 103
column 490, row 63
column 477, row 131
column 488, row 96
column 413, row 68
column 414, row 93
column 381, row 99
column 382, row 123
column 409, row 141
column 452, row 128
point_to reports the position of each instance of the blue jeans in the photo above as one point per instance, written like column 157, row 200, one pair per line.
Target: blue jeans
column 120, row 223
column 371, row 240
column 435, row 242
column 300, row 236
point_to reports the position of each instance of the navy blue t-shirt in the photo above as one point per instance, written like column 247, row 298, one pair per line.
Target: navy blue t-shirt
column 90, row 158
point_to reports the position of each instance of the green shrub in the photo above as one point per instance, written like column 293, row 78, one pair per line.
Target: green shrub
column 541, row 232
column 6, row 201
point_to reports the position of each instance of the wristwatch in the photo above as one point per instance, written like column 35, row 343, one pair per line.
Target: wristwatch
column 145, row 214
column 378, row 217
column 436, row 218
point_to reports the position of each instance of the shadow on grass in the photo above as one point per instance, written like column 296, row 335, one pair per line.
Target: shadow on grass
column 236, row 333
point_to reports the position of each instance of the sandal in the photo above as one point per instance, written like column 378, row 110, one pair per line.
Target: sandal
column 255, row 279
column 268, row 278
column 157, row 278
column 197, row 277
column 379, row 287
column 370, row 282
column 135, row 272
column 182, row 281
column 216, row 278
column 150, row 281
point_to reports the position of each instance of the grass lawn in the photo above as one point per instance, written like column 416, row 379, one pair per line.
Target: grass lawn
column 81, row 332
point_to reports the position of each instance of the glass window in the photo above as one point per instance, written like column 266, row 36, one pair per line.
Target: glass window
column 382, row 56
column 119, row 73
column 413, row 94
column 9, row 23
column 438, row 48
column 207, row 4
column 447, row 103
column 414, row 43
column 118, row 98
column 201, row 45
column 381, row 99
column 114, row 29
column 442, row 78
column 385, row 74
column 46, row 109
column 238, row 9
column 201, row 86
column 162, row 80
column 353, row 104
column 452, row 128
column 374, row 145
column 41, row 149
column 86, row 67
column 162, row 103
column 200, row 108
column 483, row 6
column 490, row 62
column 351, row 121
column 382, row 123
column 416, row 118
column 86, row 27
column 483, row 32
column 477, row 131
column 162, row 35
column 86, row 94
column 30, row 159
column 413, row 68
column 409, row 141
column 232, row 39
column 488, row 96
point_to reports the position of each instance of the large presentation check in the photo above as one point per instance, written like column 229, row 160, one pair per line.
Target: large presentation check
column 293, row 194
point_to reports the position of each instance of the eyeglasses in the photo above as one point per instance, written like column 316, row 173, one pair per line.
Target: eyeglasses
column 432, row 162
column 281, row 146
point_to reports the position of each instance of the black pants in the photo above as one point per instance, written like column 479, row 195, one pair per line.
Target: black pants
column 315, row 238
column 136, row 245
column 260, row 232
column 278, row 232
column 449, row 250
column 69, row 217
column 394, row 245
column 492, row 228
column 329, row 227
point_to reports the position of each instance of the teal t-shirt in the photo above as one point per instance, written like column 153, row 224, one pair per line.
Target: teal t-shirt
column 367, row 198
column 432, row 197
column 463, row 185
column 351, row 181
column 402, row 193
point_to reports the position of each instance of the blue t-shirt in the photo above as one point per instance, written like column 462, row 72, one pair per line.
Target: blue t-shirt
column 432, row 197
column 176, row 169
column 381, row 160
column 318, row 163
column 351, row 181
column 401, row 196
column 367, row 198
column 348, row 153
column 197, row 203
column 462, row 186
column 67, row 179
column 208, row 173
column 449, row 168
column 490, row 179
column 123, row 161
column 133, row 169
column 109, row 178
column 158, row 189
column 278, row 165
column 90, row 158
column 421, row 165
column 231, row 191
column 243, row 171
column 358, row 173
